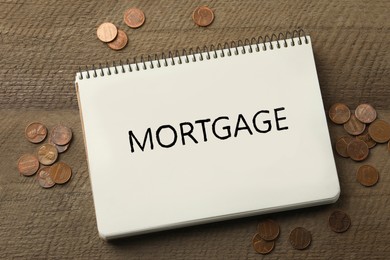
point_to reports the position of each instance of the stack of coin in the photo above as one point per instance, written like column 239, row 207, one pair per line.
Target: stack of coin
column 115, row 38
column 365, row 132
column 47, row 154
column 264, row 240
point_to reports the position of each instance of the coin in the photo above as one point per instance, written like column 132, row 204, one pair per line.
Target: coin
column 119, row 42
column 44, row 178
column 339, row 221
column 357, row 150
column 134, row 17
column 262, row 246
column 47, row 154
column 365, row 113
column 61, row 135
column 60, row 172
column 379, row 131
column 341, row 146
column 203, row 16
column 268, row 229
column 388, row 146
column 35, row 132
column 367, row 175
column 339, row 113
column 365, row 137
column 354, row 126
column 28, row 164
column 300, row 238
column 106, row 32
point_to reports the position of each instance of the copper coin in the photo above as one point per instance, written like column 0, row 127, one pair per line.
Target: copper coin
column 341, row 146
column 61, row 135
column 44, row 178
column 388, row 146
column 354, row 126
column 339, row 113
column 365, row 137
column 60, row 172
column 339, row 221
column 119, row 42
column 357, row 150
column 60, row 148
column 28, row 164
column 47, row 154
column 300, row 238
column 365, row 113
column 262, row 246
column 134, row 17
column 268, row 229
column 203, row 16
column 106, row 32
column 36, row 132
column 379, row 131
column 367, row 175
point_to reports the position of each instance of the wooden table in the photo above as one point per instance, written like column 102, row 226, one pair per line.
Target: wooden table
column 42, row 45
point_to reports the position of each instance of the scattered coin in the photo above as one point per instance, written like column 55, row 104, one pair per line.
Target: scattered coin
column 28, row 164
column 120, row 41
column 36, row 132
column 341, row 146
column 365, row 113
column 107, row 32
column 300, row 238
column 61, row 135
column 268, row 229
column 339, row 113
column 262, row 246
column 379, row 131
column 134, row 17
column 367, row 175
column 44, row 178
column 339, row 221
column 60, row 173
column 357, row 150
column 47, row 154
column 203, row 16
column 353, row 126
column 365, row 137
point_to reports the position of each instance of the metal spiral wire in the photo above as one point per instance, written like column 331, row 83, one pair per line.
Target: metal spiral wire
column 227, row 49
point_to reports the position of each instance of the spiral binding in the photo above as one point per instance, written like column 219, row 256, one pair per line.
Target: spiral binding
column 175, row 57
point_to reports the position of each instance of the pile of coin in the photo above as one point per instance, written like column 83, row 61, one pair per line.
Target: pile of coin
column 264, row 240
column 117, row 39
column 50, row 173
column 268, row 231
column 365, row 132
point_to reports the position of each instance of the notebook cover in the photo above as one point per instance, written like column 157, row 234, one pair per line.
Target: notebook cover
column 204, row 141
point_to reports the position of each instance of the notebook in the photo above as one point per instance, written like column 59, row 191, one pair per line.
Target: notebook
column 218, row 133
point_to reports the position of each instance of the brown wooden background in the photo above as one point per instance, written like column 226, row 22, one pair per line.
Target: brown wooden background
column 42, row 45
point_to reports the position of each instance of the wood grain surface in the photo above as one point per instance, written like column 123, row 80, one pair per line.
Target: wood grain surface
column 42, row 45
